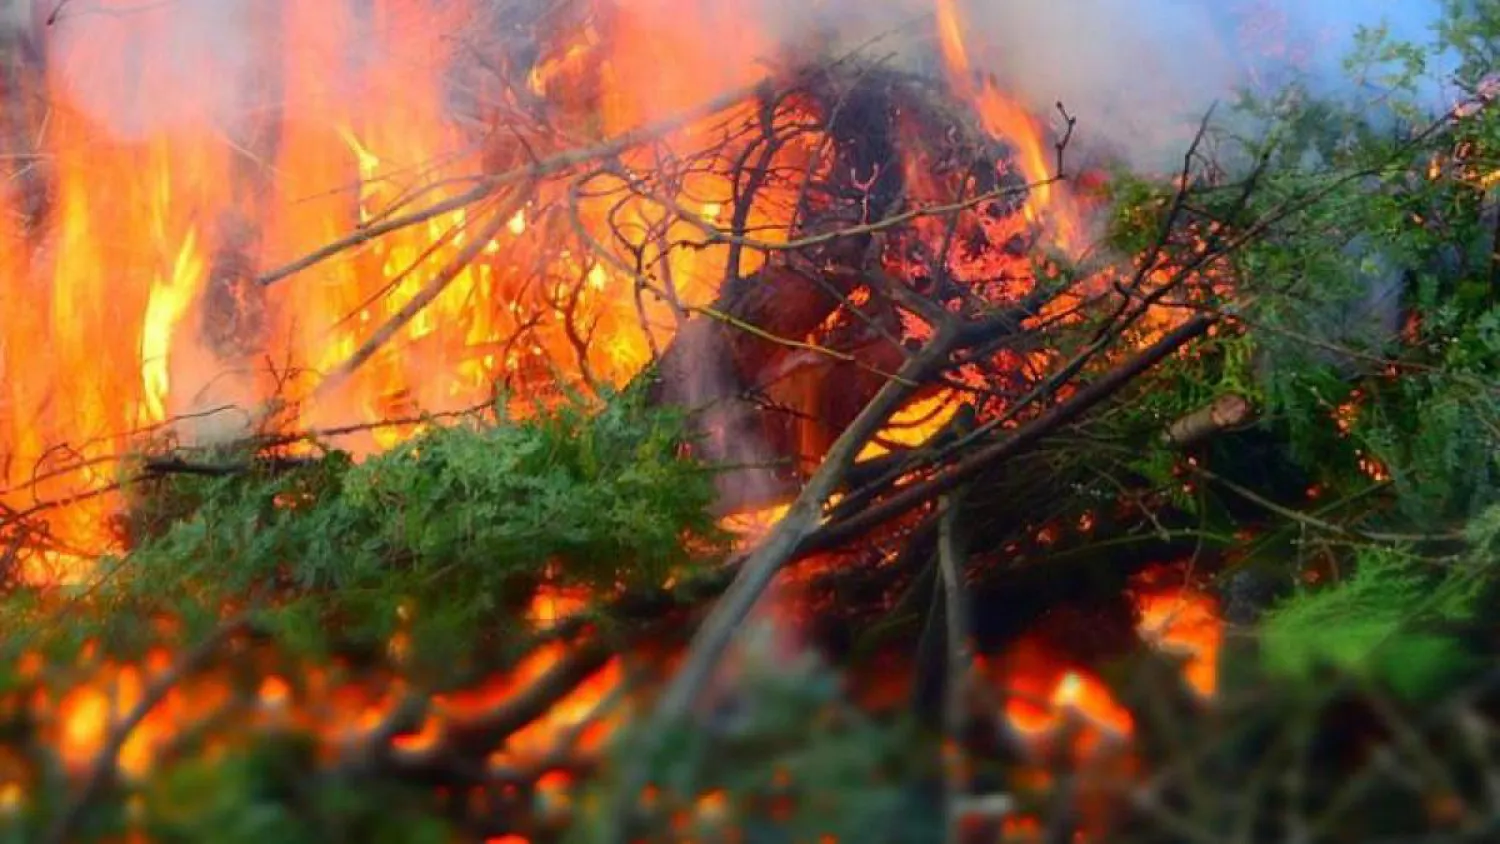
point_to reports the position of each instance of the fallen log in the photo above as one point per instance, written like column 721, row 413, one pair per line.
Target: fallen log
column 1224, row 413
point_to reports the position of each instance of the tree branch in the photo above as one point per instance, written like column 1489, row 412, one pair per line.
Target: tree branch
column 102, row 770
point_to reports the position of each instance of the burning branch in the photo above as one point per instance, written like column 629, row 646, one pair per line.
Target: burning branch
column 532, row 173
column 103, row 767
column 445, row 276
column 1023, row 438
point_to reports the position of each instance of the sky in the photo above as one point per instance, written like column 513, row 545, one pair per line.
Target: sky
column 1408, row 16
column 1140, row 73
column 1331, row 24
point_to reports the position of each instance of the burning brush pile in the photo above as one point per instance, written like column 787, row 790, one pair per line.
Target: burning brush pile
column 379, row 418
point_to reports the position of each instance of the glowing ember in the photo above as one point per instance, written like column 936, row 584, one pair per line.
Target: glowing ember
column 1185, row 623
column 1046, row 695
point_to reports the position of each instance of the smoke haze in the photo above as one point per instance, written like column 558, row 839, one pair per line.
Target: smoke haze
column 1137, row 73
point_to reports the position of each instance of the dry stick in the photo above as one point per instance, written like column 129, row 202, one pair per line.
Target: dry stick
column 960, row 663
column 1230, row 410
column 37, row 476
column 426, row 295
column 799, row 533
column 1310, row 520
column 801, row 520
column 260, row 441
column 713, row 234
column 531, row 173
column 643, row 283
column 104, row 763
column 1023, row 438
column 1106, row 334
column 760, row 568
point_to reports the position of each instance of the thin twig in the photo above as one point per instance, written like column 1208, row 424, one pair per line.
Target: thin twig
column 426, row 295
column 951, row 555
column 1022, row 439
column 1321, row 524
column 521, row 175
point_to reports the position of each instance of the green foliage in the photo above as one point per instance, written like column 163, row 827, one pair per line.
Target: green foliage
column 447, row 535
column 1391, row 65
column 1428, row 416
column 1135, row 212
column 1390, row 622
column 445, row 538
column 786, row 759
column 268, row 793
column 1367, row 340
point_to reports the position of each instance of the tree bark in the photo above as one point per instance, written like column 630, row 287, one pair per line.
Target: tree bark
column 1222, row 414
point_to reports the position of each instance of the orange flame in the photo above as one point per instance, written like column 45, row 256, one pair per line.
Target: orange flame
column 1046, row 693
column 1187, row 623
column 136, row 282
column 1008, row 120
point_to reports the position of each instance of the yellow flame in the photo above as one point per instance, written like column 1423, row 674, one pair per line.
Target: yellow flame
column 169, row 301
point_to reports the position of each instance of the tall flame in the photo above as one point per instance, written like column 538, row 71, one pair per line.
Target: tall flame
column 1009, row 120
column 139, row 279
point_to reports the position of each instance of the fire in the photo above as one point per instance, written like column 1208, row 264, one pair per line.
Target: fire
column 1185, row 623
column 139, row 280
column 1345, row 416
column 80, row 721
column 184, row 211
column 1007, row 119
column 1046, row 695
column 338, row 710
column 131, row 308
column 914, row 424
column 753, row 525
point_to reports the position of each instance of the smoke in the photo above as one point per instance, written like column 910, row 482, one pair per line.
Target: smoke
column 1138, row 74
column 700, row 378
column 141, row 68
column 138, row 69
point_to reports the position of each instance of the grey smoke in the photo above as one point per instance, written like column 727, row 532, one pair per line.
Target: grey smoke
column 140, row 71
column 1137, row 73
